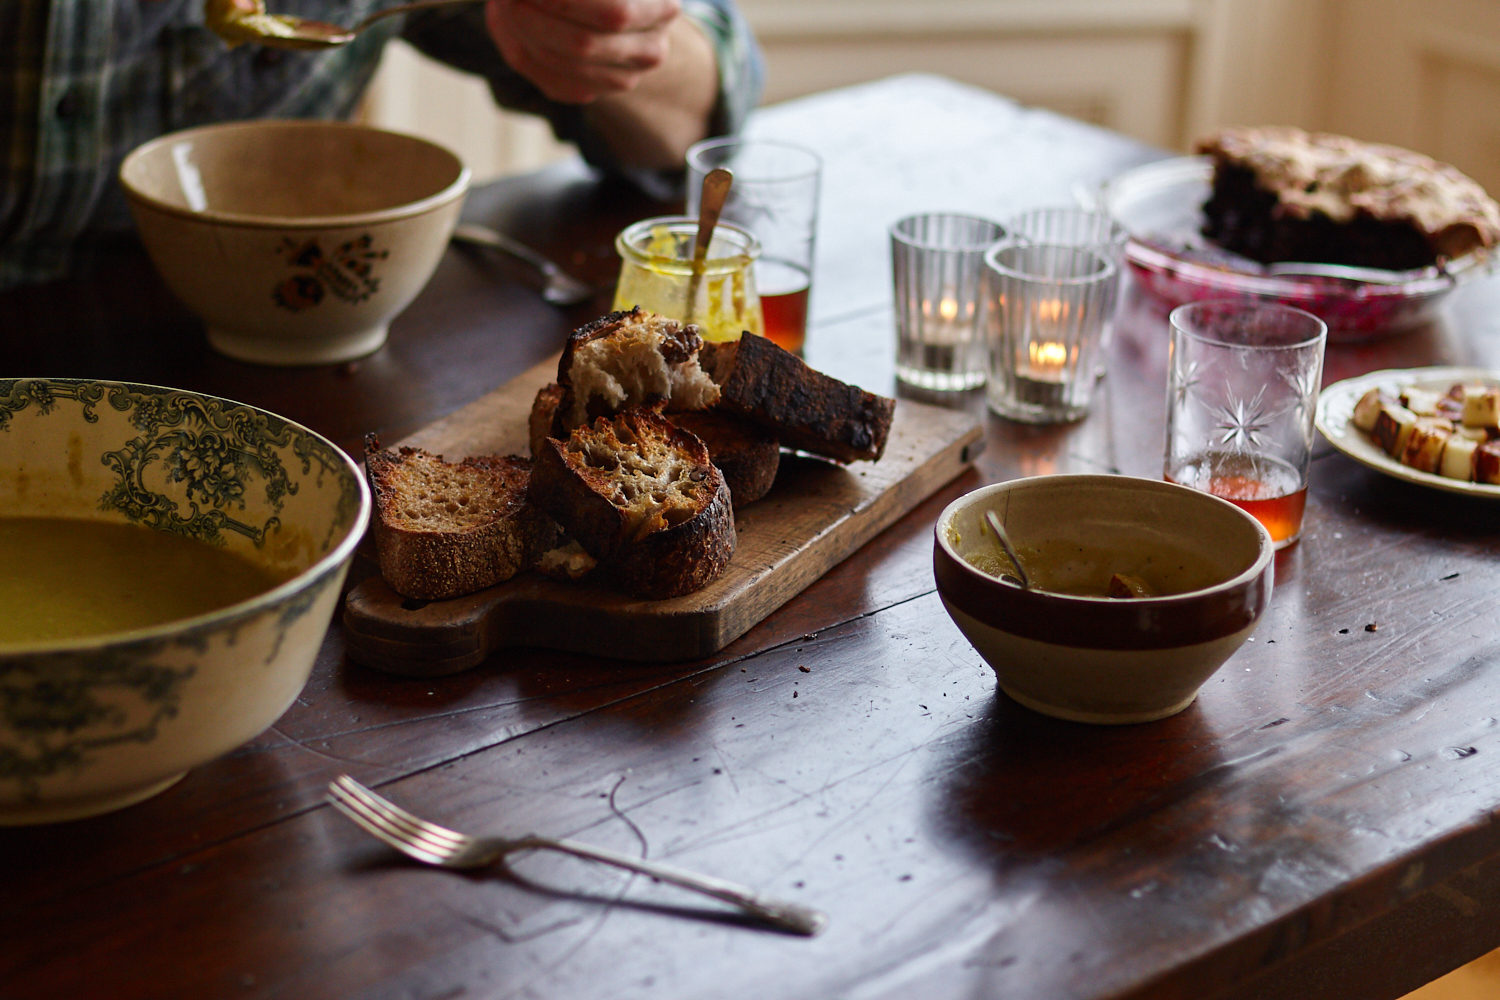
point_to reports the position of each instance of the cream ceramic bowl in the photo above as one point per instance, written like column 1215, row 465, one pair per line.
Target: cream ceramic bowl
column 1096, row 658
column 91, row 725
column 296, row 242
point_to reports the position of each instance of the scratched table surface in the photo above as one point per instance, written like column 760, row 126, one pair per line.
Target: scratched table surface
column 1317, row 824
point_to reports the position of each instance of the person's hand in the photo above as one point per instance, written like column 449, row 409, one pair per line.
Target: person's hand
column 577, row 51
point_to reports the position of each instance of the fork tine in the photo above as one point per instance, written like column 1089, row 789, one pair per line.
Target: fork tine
column 438, row 840
column 375, row 827
column 398, row 816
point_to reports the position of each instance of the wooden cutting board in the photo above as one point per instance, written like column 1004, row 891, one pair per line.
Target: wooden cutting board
column 815, row 516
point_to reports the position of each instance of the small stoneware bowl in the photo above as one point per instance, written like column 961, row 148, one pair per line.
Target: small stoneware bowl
column 97, row 722
column 296, row 242
column 1065, row 649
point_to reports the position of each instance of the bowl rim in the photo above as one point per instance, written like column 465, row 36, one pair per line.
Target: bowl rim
column 1265, row 554
column 230, row 612
column 1075, row 621
column 456, row 189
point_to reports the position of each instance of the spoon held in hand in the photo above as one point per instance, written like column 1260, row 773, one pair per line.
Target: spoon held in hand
column 239, row 21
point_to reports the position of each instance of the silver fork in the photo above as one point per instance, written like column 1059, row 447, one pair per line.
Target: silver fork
column 438, row 845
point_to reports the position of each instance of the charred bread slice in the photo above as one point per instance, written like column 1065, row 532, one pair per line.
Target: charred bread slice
column 445, row 529
column 641, row 496
column 627, row 359
column 747, row 454
column 804, row 408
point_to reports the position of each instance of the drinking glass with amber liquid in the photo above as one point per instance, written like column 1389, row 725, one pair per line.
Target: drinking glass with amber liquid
column 657, row 274
column 1242, row 386
column 774, row 197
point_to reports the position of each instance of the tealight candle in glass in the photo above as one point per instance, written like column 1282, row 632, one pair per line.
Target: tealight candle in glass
column 937, row 264
column 1048, row 307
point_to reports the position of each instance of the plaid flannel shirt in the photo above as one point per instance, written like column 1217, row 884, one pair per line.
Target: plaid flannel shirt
column 83, row 82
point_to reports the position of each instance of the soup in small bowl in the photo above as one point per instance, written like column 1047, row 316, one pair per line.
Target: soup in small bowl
column 172, row 562
column 1141, row 589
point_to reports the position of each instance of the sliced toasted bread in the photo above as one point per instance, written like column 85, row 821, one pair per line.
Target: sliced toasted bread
column 445, row 529
column 630, row 359
column 641, row 496
column 747, row 454
column 804, row 408
column 540, row 424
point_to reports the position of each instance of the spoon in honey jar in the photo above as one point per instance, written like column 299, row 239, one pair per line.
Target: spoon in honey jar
column 1003, row 537
column 715, row 189
column 239, row 21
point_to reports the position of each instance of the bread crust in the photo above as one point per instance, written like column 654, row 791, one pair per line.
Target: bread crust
column 747, row 454
column 429, row 553
column 804, row 408
column 542, row 423
column 641, row 496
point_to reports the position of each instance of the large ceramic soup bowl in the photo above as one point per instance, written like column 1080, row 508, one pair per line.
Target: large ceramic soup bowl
column 1201, row 569
column 171, row 565
column 295, row 242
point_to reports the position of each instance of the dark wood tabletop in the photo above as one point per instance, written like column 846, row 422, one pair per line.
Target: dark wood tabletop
column 1319, row 824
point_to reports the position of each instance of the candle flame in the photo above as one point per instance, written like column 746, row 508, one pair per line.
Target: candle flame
column 1048, row 355
column 948, row 308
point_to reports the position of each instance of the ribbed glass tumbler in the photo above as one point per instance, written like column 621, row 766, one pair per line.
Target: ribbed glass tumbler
column 937, row 262
column 1048, row 306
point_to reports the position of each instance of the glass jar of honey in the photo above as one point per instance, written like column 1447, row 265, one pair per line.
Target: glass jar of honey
column 656, row 273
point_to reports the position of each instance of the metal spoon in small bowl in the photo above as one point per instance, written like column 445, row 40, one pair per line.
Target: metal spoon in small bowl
column 1003, row 537
column 238, row 21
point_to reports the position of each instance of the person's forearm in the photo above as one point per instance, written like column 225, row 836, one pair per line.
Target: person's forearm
column 653, row 125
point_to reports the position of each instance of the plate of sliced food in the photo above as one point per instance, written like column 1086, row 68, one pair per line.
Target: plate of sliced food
column 1437, row 427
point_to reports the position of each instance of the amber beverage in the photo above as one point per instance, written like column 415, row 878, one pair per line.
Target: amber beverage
column 1242, row 387
column 783, row 302
column 1273, row 493
column 774, row 197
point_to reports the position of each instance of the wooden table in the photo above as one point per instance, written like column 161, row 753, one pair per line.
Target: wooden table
column 1318, row 824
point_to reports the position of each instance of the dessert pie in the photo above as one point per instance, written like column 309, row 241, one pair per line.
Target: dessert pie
column 1282, row 194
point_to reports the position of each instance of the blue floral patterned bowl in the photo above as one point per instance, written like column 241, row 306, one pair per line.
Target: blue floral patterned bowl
column 95, row 723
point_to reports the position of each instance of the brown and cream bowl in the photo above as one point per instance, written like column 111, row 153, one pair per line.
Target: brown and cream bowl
column 1197, row 569
column 172, row 561
column 296, row 242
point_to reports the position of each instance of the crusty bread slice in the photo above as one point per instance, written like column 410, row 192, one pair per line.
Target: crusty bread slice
column 804, row 408
column 747, row 454
column 744, row 452
column 641, row 496
column 445, row 529
column 540, row 424
column 627, row 359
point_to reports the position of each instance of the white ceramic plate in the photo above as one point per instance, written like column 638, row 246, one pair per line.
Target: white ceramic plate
column 1336, row 412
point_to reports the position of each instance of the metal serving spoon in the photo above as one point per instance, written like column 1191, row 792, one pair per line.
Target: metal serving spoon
column 238, row 21
column 1003, row 537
